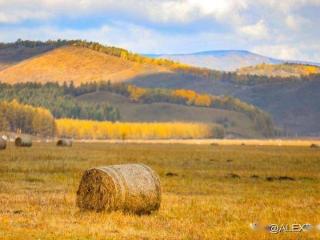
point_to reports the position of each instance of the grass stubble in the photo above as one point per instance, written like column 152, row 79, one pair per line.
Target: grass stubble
column 212, row 192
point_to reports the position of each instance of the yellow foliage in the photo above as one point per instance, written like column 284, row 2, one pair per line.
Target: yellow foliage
column 186, row 94
column 21, row 117
column 311, row 70
column 281, row 70
column 86, row 129
column 136, row 92
column 203, row 100
column 194, row 98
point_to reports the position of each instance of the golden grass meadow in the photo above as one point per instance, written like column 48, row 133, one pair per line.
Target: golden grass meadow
column 208, row 191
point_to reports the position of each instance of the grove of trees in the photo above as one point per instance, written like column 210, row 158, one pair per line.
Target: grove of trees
column 16, row 117
column 85, row 129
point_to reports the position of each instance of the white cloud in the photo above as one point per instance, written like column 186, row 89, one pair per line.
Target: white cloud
column 296, row 22
column 157, row 11
column 18, row 16
column 121, row 34
column 283, row 29
column 217, row 9
column 258, row 30
column 287, row 6
column 308, row 51
column 278, row 51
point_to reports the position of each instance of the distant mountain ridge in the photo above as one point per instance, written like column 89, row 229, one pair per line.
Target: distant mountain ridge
column 225, row 60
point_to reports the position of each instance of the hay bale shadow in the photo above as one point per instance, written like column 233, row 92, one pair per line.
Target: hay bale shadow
column 280, row 178
column 254, row 176
column 233, row 175
column 64, row 143
column 172, row 174
column 286, row 178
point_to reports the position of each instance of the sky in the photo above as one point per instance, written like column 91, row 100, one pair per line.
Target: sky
column 285, row 29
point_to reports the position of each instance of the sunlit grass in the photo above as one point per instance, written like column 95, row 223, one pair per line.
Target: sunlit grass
column 213, row 196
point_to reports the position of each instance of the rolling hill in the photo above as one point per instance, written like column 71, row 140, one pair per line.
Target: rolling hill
column 293, row 105
column 236, row 124
column 77, row 64
column 226, row 60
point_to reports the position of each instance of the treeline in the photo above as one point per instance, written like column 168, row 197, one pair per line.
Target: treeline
column 82, row 129
column 16, row 117
column 58, row 100
column 261, row 119
column 254, row 79
column 134, row 57
column 36, row 44
column 62, row 103
column 21, row 118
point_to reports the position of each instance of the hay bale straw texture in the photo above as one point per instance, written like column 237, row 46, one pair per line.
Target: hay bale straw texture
column 23, row 141
column 64, row 143
column 3, row 144
column 131, row 188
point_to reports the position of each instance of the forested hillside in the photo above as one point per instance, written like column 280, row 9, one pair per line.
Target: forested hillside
column 59, row 100
column 185, row 97
column 63, row 102
column 292, row 102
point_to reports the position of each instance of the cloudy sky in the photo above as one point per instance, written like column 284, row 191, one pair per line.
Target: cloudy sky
column 287, row 29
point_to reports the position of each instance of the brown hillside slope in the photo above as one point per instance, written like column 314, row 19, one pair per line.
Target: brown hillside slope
column 76, row 64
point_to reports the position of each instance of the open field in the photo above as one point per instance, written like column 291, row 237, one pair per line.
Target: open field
column 229, row 142
column 215, row 193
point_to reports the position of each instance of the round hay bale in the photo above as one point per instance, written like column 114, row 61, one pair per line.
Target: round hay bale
column 64, row 143
column 23, row 141
column 131, row 188
column 3, row 144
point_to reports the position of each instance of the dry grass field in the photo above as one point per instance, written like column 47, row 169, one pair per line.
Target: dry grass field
column 213, row 192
